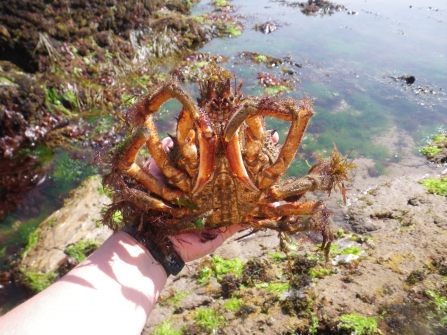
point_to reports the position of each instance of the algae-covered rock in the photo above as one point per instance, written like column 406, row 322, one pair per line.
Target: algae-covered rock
column 23, row 22
column 77, row 221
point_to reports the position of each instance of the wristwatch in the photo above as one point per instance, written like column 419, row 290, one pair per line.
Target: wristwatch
column 171, row 262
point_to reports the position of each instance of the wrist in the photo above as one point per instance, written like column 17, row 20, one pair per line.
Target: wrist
column 168, row 257
column 140, row 254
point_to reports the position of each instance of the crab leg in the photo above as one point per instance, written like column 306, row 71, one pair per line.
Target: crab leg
column 207, row 149
column 174, row 175
column 255, row 134
column 254, row 139
column 186, row 138
column 284, row 226
column 128, row 166
column 144, row 201
column 280, row 110
column 236, row 165
column 293, row 208
column 301, row 114
column 318, row 220
column 298, row 187
column 152, row 102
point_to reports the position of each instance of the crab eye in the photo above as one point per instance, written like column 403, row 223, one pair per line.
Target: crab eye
column 208, row 134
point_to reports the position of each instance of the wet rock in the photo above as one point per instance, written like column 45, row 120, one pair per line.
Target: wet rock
column 76, row 221
column 24, row 22
column 408, row 79
column 267, row 27
column 315, row 7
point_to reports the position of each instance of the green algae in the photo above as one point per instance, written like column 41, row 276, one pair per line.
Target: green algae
column 233, row 304
column 234, row 31
column 319, row 272
column 207, row 319
column 351, row 251
column 220, row 267
column 440, row 304
column 173, row 298
column 436, row 186
column 260, row 58
column 272, row 287
column 81, row 250
column 358, row 325
column 37, row 281
column 430, row 152
column 273, row 90
column 31, row 241
column 166, row 328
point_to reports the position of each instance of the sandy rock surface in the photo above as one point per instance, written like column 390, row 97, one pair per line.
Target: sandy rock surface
column 76, row 221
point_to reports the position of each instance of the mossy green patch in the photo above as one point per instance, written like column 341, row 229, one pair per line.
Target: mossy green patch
column 430, row 151
column 32, row 240
column 358, row 325
column 207, row 319
column 233, row 31
column 204, row 275
column 233, row 304
column 165, row 328
column 36, row 280
column 260, row 58
column 278, row 256
column 273, row 90
column 351, row 251
column 440, row 307
column 319, row 272
column 221, row 267
column 61, row 99
column 277, row 288
column 222, row 3
column 81, row 250
column 436, row 186
column 173, row 298
column 439, row 138
column 105, row 190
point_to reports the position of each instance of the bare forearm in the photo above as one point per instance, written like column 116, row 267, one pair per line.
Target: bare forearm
column 112, row 292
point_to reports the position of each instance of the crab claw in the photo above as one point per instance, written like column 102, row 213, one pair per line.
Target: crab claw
column 237, row 119
column 207, row 143
column 236, row 165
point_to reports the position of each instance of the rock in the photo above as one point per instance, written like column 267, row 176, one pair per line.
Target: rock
column 408, row 79
column 76, row 221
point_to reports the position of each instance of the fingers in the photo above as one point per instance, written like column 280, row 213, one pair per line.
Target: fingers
column 275, row 137
column 167, row 144
column 191, row 246
column 150, row 165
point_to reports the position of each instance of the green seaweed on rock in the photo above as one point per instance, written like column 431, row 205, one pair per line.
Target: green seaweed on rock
column 166, row 328
column 358, row 324
column 436, row 186
column 81, row 250
column 37, row 281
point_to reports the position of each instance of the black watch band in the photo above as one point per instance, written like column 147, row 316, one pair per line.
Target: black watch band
column 172, row 263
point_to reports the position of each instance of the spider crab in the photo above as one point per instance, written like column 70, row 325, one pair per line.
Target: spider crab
column 224, row 167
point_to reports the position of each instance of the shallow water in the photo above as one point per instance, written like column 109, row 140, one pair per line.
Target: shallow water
column 349, row 65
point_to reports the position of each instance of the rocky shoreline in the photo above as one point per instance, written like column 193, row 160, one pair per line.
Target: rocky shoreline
column 387, row 265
